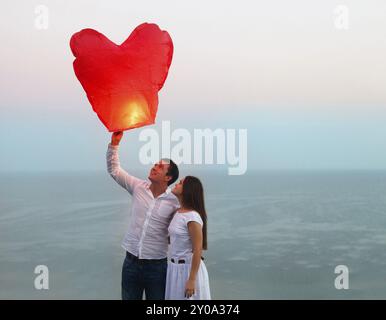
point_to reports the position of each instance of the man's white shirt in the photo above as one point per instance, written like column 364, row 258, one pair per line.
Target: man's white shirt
column 147, row 236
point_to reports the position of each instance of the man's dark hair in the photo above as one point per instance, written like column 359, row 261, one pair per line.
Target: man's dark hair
column 172, row 171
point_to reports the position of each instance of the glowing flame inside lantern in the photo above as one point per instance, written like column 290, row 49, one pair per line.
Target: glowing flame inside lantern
column 134, row 113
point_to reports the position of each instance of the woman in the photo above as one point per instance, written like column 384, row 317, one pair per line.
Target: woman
column 187, row 277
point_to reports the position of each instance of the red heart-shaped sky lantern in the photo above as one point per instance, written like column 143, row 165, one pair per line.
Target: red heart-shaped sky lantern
column 122, row 81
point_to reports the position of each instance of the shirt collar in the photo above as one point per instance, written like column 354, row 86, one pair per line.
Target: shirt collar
column 167, row 192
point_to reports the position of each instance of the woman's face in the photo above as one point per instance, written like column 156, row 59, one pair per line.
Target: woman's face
column 177, row 190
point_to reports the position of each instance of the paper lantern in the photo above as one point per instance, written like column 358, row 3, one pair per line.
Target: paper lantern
column 122, row 81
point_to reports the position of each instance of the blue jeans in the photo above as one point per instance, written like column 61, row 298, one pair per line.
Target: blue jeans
column 140, row 275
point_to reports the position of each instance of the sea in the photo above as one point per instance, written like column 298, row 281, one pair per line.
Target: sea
column 271, row 234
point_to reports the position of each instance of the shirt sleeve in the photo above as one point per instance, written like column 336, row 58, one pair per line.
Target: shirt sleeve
column 194, row 216
column 124, row 179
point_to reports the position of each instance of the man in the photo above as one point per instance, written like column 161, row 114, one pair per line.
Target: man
column 146, row 242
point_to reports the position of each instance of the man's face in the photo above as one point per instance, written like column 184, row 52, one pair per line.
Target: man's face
column 158, row 172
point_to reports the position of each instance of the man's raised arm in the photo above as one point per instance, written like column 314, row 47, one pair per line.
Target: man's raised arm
column 114, row 168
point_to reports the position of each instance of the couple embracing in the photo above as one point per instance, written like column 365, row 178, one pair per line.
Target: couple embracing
column 167, row 232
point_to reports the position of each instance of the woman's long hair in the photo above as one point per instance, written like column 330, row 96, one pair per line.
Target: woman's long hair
column 193, row 198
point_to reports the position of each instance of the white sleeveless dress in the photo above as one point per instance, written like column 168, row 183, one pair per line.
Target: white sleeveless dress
column 181, row 248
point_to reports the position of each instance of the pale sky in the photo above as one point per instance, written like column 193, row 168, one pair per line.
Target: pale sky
column 311, row 96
